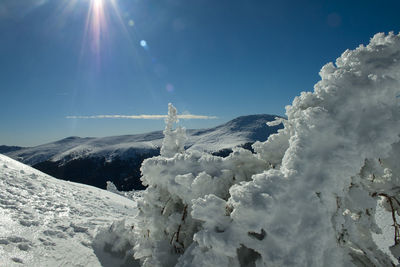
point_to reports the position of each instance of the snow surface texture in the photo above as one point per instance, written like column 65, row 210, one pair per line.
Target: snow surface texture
column 49, row 222
column 237, row 132
column 306, row 198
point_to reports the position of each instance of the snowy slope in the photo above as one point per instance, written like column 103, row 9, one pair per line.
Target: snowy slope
column 49, row 222
column 239, row 131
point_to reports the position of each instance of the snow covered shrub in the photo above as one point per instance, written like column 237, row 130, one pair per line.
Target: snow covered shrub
column 110, row 186
column 308, row 195
column 177, row 179
column 113, row 245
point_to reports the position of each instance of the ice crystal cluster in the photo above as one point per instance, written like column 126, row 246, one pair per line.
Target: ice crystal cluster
column 306, row 197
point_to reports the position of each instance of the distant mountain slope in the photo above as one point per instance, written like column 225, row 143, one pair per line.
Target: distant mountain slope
column 118, row 158
column 7, row 149
column 236, row 132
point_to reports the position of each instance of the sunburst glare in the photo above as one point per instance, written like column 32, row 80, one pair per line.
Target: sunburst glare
column 96, row 24
column 103, row 24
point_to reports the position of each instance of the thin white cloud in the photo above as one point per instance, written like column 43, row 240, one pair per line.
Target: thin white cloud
column 144, row 117
column 196, row 117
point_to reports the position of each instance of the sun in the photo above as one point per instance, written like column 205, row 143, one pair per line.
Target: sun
column 97, row 3
column 99, row 21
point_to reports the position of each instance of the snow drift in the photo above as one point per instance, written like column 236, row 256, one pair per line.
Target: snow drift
column 48, row 222
column 307, row 197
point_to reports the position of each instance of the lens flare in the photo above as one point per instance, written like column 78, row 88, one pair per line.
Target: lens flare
column 97, row 32
column 96, row 25
column 103, row 24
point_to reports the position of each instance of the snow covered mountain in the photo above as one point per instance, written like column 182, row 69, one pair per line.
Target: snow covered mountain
column 48, row 222
column 118, row 159
column 6, row 149
column 245, row 129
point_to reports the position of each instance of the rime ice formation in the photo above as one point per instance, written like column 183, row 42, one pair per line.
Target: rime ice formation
column 174, row 140
column 307, row 197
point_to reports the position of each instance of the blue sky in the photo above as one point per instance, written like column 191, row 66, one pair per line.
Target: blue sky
column 221, row 58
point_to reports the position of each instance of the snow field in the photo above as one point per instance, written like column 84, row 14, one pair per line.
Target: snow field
column 49, row 222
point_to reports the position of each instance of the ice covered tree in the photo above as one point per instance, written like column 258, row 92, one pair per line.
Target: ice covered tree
column 307, row 197
column 175, row 179
column 174, row 140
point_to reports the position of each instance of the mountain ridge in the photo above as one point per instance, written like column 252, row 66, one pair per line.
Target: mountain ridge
column 95, row 160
